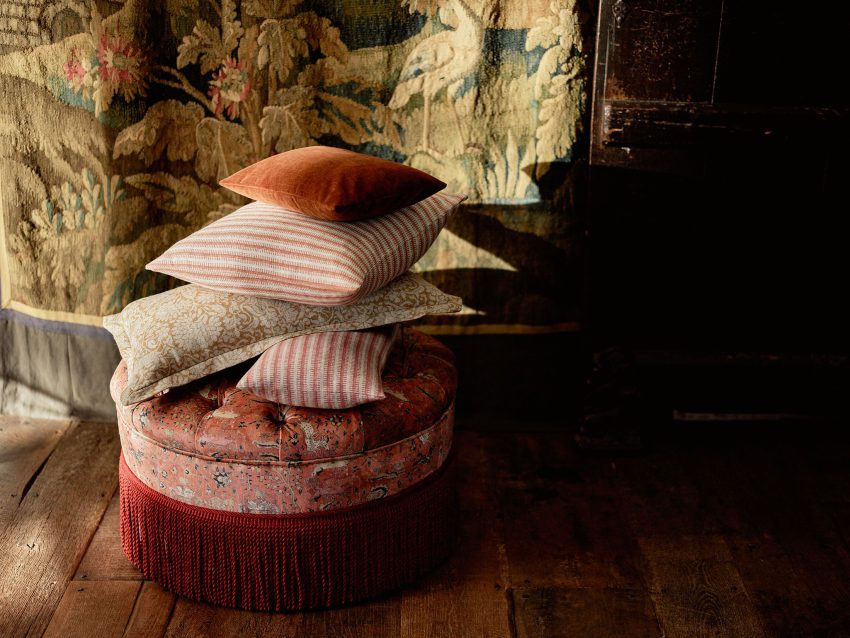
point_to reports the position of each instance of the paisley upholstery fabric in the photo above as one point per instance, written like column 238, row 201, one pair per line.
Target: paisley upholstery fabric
column 211, row 445
column 184, row 334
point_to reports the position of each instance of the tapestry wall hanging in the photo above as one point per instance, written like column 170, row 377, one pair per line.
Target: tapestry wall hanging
column 118, row 119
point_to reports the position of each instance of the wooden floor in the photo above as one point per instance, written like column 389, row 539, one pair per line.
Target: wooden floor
column 713, row 530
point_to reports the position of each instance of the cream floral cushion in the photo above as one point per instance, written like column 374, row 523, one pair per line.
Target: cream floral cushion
column 177, row 336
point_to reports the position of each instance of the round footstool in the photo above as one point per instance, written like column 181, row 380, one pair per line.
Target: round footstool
column 241, row 502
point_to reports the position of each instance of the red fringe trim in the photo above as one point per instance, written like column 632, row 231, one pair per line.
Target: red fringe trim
column 288, row 562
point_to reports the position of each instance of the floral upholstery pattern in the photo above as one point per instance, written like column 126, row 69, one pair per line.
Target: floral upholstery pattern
column 212, row 445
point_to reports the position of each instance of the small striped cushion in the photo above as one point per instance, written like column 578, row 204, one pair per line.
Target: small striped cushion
column 263, row 250
column 328, row 370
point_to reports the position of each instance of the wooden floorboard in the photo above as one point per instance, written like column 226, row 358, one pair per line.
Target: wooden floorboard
column 468, row 596
column 105, row 559
column 151, row 613
column 697, row 589
column 785, row 534
column 776, row 501
column 378, row 618
column 52, row 527
column 558, row 502
column 553, row 612
column 99, row 608
column 703, row 533
column 192, row 619
column 25, row 445
column 583, row 577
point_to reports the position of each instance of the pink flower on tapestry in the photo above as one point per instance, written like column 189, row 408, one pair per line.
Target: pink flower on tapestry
column 230, row 87
column 75, row 72
column 122, row 67
column 81, row 73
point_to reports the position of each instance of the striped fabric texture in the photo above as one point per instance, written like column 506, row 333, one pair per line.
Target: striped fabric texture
column 263, row 250
column 327, row 370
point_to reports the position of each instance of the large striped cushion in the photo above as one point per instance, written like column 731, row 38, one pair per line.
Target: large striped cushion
column 264, row 250
column 328, row 370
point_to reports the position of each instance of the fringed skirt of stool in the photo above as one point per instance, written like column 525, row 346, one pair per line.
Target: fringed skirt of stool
column 287, row 562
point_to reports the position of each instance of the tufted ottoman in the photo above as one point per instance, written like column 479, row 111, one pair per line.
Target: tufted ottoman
column 241, row 502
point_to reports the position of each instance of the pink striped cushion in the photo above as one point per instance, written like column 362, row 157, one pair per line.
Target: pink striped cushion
column 328, row 370
column 263, row 250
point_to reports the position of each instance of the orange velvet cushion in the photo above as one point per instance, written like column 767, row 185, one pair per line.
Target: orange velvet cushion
column 333, row 183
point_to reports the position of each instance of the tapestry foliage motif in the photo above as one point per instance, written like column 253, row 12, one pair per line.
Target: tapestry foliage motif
column 119, row 119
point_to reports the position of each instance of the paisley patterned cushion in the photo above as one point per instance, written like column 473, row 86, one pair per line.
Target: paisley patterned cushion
column 212, row 445
column 178, row 336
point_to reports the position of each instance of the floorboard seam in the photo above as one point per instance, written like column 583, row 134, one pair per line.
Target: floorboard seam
column 37, row 473
column 72, row 580
column 509, row 598
column 133, row 610
column 94, row 531
column 167, row 622
column 502, row 550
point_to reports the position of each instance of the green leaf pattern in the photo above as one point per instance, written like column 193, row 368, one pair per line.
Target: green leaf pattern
column 242, row 81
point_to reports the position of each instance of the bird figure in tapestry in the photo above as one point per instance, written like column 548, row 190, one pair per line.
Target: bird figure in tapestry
column 443, row 60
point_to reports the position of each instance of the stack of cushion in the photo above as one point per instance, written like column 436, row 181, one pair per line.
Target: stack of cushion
column 260, row 397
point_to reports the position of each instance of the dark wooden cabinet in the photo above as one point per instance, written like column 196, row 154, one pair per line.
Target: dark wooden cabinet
column 718, row 201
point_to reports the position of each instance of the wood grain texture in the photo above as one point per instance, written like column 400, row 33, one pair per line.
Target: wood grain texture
column 467, row 595
column 661, row 51
column 25, row 444
column 190, row 618
column 95, row 609
column 670, row 124
column 784, row 527
column 196, row 619
column 788, row 591
column 49, row 532
column 561, row 504
column 696, row 588
column 555, row 612
column 377, row 618
column 698, row 535
column 105, row 559
column 151, row 613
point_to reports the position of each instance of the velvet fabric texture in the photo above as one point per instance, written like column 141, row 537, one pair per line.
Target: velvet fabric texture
column 333, row 183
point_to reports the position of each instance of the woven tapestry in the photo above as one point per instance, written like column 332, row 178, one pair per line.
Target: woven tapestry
column 118, row 119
